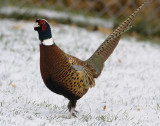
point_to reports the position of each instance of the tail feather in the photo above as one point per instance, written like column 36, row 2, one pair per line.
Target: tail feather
column 106, row 48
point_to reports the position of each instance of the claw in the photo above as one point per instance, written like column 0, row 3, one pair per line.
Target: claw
column 76, row 111
column 73, row 114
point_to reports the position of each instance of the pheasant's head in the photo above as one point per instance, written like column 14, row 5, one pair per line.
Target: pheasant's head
column 44, row 30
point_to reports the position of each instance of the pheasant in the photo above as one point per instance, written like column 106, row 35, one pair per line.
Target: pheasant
column 67, row 75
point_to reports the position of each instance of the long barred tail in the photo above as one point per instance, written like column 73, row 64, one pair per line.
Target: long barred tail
column 106, row 48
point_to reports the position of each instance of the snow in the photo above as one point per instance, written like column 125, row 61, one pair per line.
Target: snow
column 126, row 93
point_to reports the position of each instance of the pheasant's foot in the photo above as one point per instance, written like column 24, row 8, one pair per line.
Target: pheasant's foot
column 72, row 113
column 76, row 111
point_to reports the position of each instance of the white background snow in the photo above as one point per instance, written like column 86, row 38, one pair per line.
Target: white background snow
column 126, row 94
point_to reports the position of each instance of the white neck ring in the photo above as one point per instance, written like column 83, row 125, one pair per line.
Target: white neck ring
column 48, row 42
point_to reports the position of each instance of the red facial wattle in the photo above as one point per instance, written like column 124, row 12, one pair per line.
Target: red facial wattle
column 44, row 25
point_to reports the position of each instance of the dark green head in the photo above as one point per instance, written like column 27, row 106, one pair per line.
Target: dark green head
column 43, row 29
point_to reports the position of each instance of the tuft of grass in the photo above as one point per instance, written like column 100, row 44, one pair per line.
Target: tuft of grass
column 86, row 118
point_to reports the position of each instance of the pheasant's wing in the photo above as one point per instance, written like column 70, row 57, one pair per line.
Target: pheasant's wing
column 86, row 75
column 107, row 47
column 82, row 70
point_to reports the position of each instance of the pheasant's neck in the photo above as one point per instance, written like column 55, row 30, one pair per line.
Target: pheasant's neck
column 48, row 42
column 51, row 57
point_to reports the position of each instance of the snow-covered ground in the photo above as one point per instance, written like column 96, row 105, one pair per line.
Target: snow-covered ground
column 126, row 94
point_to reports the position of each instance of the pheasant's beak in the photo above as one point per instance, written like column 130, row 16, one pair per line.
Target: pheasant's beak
column 36, row 26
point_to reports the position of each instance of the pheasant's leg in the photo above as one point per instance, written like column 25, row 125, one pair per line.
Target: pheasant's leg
column 71, row 107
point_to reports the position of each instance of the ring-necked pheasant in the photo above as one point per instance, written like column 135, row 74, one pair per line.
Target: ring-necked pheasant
column 67, row 75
